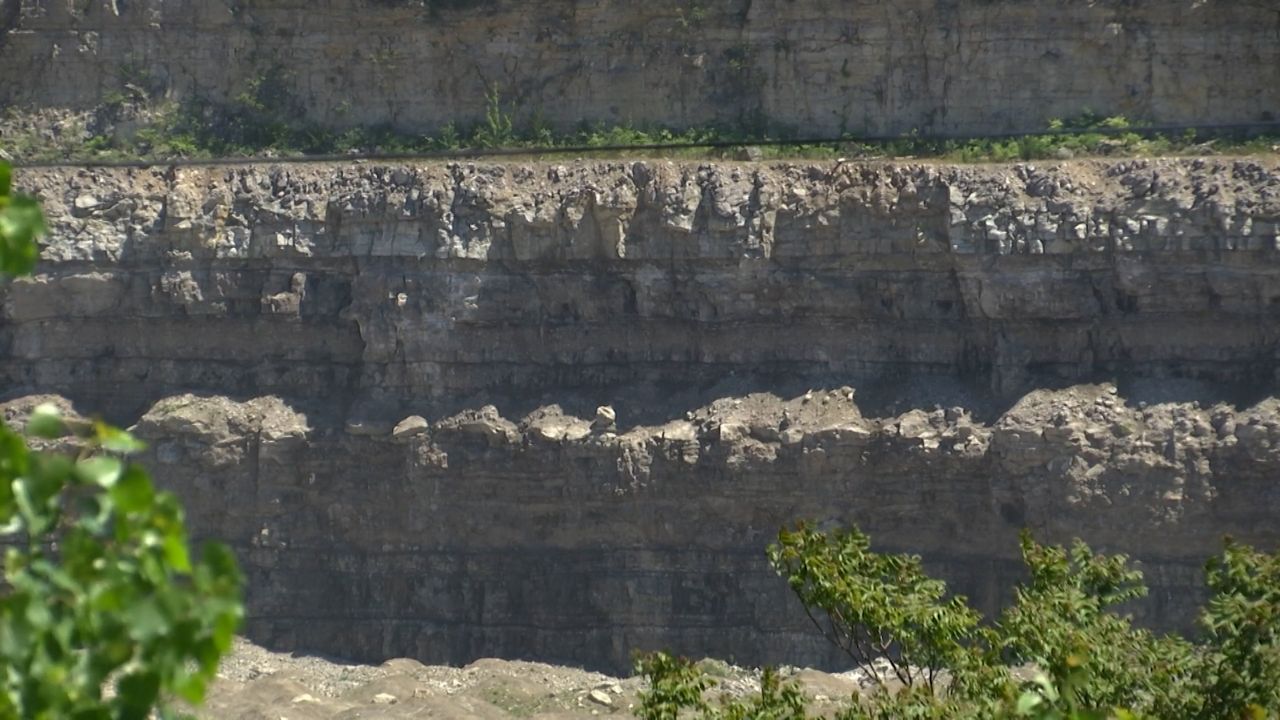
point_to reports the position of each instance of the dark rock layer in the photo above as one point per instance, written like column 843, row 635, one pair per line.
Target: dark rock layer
column 815, row 66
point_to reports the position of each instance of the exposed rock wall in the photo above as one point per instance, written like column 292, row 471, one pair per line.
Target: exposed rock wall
column 414, row 288
column 819, row 66
column 539, row 538
column 502, row 303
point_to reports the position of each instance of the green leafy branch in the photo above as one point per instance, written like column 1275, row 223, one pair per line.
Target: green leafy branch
column 21, row 222
column 100, row 590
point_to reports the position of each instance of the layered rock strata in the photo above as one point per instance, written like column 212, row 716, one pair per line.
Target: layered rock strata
column 414, row 288
column 818, row 66
column 536, row 537
column 413, row 463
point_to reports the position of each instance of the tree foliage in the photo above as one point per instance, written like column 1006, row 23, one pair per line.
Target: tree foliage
column 21, row 222
column 677, row 685
column 1240, row 667
column 1064, row 613
column 874, row 605
column 103, row 612
column 1087, row 660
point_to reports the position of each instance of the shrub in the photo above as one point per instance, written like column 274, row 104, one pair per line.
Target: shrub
column 1089, row 661
column 676, row 685
column 1239, row 673
column 1064, row 615
column 872, row 605
column 99, row 587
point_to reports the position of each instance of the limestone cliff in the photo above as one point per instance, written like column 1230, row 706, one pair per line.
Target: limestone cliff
column 410, row 461
column 814, row 66
column 419, row 288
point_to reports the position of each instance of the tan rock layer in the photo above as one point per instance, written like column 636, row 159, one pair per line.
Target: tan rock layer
column 403, row 288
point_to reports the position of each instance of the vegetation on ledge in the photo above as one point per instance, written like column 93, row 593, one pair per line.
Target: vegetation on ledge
column 262, row 121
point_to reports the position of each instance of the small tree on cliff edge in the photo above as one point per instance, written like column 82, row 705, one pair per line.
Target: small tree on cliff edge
column 99, row 589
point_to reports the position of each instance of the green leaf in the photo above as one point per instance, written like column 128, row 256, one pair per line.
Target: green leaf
column 51, row 472
column 192, row 688
column 35, row 512
column 146, row 619
column 133, row 492
column 20, row 223
column 176, row 554
column 220, row 560
column 138, row 694
column 38, row 615
column 95, row 513
column 117, row 440
column 102, row 471
column 6, row 179
column 46, row 422
column 225, row 628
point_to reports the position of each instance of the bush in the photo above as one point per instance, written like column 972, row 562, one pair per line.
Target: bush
column 1239, row 671
column 1062, row 615
column 99, row 587
column 676, row 685
column 876, row 606
column 1089, row 661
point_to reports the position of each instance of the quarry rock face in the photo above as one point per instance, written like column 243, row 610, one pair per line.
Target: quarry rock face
column 817, row 66
column 395, row 290
column 558, row 410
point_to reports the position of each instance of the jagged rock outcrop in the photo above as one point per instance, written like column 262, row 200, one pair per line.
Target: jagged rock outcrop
column 412, row 289
column 873, row 66
column 556, row 411
column 539, row 537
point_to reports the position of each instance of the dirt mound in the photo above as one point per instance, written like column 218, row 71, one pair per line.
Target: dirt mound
column 257, row 684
